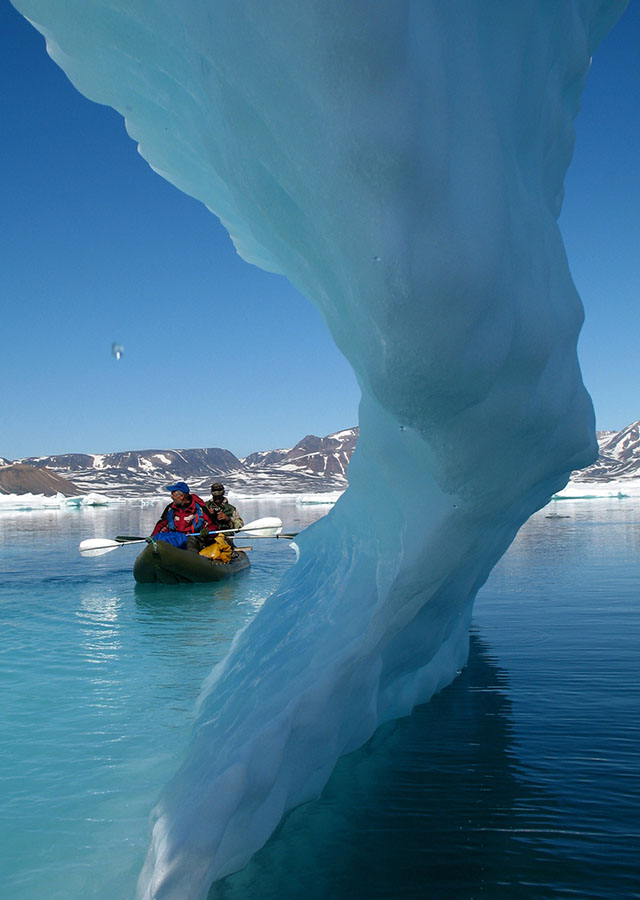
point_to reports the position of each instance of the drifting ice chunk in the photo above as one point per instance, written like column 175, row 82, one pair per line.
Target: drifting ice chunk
column 402, row 163
column 59, row 501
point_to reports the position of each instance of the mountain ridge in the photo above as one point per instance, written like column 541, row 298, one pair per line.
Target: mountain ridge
column 315, row 464
column 618, row 457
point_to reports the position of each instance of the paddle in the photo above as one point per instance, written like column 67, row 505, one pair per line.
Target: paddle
column 98, row 546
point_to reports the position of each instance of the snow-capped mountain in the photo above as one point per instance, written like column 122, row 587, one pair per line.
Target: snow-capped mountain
column 134, row 472
column 314, row 464
column 619, row 456
column 328, row 456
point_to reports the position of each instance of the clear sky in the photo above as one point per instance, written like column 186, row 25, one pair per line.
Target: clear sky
column 97, row 249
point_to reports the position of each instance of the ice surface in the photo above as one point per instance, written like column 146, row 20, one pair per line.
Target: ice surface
column 402, row 162
column 620, row 488
column 12, row 502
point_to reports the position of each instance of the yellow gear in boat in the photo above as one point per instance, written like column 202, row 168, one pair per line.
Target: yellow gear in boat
column 220, row 550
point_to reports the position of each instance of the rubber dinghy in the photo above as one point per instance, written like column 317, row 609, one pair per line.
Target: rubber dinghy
column 162, row 563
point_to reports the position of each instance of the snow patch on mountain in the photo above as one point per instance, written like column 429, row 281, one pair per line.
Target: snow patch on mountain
column 618, row 457
column 327, row 457
column 314, row 464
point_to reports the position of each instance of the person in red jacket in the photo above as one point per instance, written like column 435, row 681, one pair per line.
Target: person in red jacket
column 182, row 522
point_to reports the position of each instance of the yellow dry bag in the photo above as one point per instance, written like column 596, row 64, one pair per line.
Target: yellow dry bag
column 220, row 550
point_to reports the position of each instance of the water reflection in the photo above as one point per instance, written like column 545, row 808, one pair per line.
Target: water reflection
column 171, row 601
column 435, row 805
column 523, row 788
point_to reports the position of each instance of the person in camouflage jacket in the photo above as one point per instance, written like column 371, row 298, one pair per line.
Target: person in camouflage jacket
column 223, row 513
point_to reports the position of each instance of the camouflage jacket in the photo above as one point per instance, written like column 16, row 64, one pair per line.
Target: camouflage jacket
column 229, row 510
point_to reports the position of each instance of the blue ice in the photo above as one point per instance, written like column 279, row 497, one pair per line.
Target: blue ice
column 402, row 163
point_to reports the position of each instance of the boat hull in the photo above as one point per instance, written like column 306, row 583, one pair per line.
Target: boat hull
column 162, row 563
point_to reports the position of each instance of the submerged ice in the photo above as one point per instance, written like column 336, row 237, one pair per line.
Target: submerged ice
column 402, row 163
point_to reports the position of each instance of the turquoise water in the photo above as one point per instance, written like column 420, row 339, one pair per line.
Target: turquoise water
column 518, row 781
column 99, row 679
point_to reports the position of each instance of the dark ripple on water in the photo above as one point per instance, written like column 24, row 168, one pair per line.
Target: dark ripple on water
column 519, row 781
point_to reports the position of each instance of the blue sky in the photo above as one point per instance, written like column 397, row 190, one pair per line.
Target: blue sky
column 600, row 223
column 96, row 249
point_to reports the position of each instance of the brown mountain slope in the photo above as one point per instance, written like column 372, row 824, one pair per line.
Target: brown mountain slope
column 20, row 479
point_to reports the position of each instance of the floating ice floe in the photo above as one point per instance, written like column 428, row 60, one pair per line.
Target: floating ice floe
column 325, row 498
column 13, row 502
column 592, row 490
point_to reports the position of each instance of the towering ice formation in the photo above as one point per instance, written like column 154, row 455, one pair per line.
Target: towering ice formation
column 402, row 163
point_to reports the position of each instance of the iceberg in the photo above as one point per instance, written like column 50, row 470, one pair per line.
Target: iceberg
column 402, row 163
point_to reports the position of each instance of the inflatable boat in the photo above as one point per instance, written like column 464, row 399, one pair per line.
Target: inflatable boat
column 162, row 563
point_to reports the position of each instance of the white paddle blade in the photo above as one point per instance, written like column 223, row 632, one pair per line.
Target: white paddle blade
column 97, row 546
column 270, row 526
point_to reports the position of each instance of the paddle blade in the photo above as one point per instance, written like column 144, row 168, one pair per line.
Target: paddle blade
column 98, row 546
column 270, row 526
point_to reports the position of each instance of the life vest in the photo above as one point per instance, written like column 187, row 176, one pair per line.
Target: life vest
column 194, row 510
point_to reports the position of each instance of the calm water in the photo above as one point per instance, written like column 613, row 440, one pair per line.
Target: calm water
column 521, row 780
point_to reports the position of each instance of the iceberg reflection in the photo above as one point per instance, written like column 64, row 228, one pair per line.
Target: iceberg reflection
column 435, row 804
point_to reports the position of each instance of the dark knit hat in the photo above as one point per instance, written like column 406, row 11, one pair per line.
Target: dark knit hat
column 217, row 488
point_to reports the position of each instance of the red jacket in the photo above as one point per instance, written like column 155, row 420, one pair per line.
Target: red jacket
column 185, row 519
